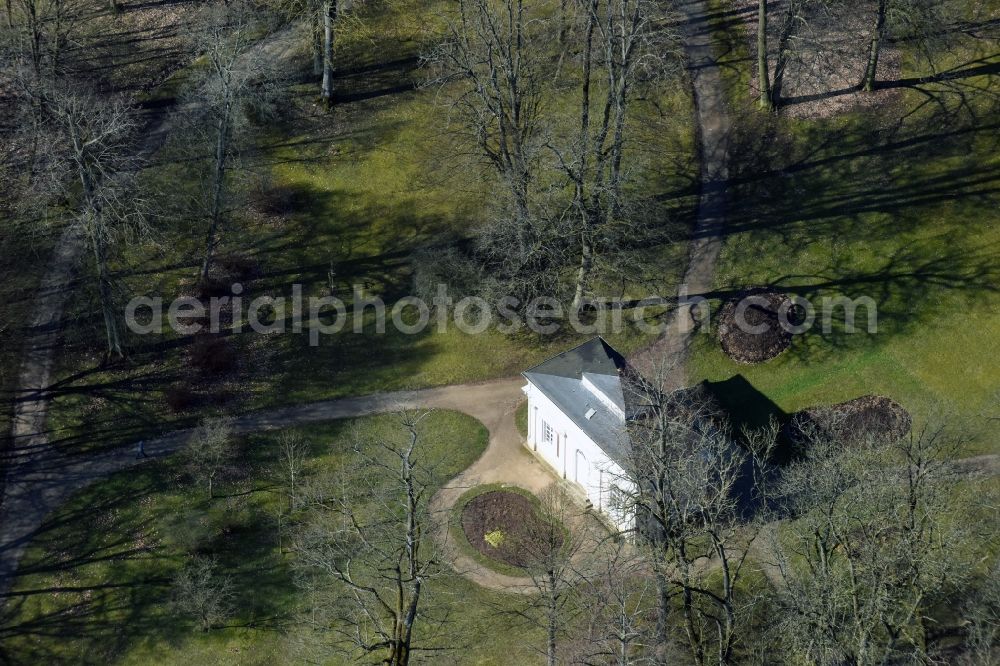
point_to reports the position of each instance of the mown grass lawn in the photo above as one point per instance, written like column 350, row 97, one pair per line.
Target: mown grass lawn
column 898, row 205
column 94, row 586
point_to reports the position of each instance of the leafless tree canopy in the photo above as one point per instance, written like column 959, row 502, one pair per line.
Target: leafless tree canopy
column 564, row 206
column 202, row 593
column 365, row 556
column 237, row 85
column 209, row 450
column 869, row 549
column 691, row 500
column 82, row 153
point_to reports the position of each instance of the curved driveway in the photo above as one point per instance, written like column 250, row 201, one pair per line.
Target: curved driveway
column 37, row 485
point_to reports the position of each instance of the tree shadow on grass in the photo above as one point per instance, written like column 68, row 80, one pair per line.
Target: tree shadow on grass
column 895, row 209
column 90, row 595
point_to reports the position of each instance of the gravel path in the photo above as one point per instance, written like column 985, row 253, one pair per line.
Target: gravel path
column 38, row 484
column 668, row 354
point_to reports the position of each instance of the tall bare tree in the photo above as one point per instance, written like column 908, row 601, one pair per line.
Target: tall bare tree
column 868, row 549
column 235, row 84
column 497, row 53
column 620, row 40
column 619, row 597
column 200, row 591
column 329, row 12
column 85, row 143
column 293, row 451
column 365, row 554
column 490, row 65
column 492, row 52
column 689, row 490
column 914, row 19
column 763, row 68
column 556, row 553
column 40, row 32
column 209, row 449
column 981, row 613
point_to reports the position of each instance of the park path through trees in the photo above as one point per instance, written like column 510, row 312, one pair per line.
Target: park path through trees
column 669, row 352
column 39, row 477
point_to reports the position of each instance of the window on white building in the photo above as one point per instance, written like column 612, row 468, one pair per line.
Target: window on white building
column 617, row 500
column 547, row 433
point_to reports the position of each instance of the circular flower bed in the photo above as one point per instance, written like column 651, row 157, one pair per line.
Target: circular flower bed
column 761, row 309
column 506, row 526
column 874, row 417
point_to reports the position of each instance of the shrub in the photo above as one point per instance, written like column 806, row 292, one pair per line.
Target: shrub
column 180, row 398
column 212, row 355
column 239, row 267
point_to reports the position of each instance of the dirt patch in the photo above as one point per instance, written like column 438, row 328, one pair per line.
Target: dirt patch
column 817, row 54
column 757, row 335
column 870, row 417
column 505, row 526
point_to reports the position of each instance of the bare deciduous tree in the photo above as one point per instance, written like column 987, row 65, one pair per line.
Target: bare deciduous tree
column 690, row 498
column 619, row 597
column 236, row 84
column 209, row 450
column 40, row 31
column 554, row 550
column 365, row 555
column 915, row 19
column 85, row 156
column 982, row 621
column 201, row 592
column 867, row 551
column 493, row 58
column 561, row 182
column 293, row 451
column 621, row 39
column 763, row 69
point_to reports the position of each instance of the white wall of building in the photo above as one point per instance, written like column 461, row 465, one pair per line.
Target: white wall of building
column 573, row 455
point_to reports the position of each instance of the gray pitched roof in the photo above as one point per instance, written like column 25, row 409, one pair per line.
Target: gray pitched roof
column 561, row 380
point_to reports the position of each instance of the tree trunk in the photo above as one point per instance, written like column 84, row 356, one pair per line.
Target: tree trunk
column 878, row 32
column 218, row 193
column 105, row 296
column 329, row 18
column 583, row 275
column 763, row 75
column 561, row 40
column 553, row 620
column 580, row 195
column 317, row 42
column 662, row 613
column 94, row 230
column 35, row 38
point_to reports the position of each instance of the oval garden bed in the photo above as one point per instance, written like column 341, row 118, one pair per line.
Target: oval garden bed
column 504, row 528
